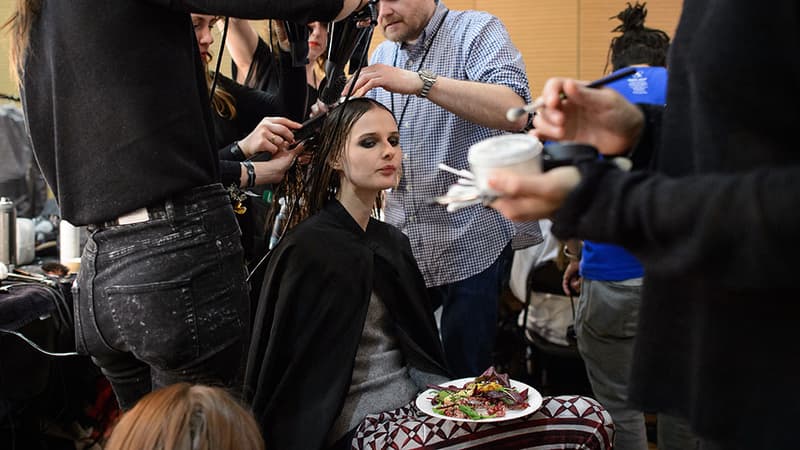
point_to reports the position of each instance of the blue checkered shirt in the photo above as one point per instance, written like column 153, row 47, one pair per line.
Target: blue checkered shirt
column 470, row 45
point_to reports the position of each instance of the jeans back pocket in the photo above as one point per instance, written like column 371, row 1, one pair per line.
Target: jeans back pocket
column 156, row 321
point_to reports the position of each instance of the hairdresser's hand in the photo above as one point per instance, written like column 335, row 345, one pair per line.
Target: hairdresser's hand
column 600, row 117
column 571, row 282
column 534, row 196
column 270, row 135
column 272, row 171
column 318, row 108
column 393, row 79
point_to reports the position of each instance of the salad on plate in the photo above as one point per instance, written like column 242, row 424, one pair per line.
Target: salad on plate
column 488, row 396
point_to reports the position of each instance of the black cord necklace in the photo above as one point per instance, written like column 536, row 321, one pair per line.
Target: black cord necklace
column 421, row 62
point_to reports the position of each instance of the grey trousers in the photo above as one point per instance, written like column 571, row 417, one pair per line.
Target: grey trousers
column 605, row 324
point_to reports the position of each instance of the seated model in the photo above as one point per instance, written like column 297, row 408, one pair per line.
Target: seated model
column 344, row 335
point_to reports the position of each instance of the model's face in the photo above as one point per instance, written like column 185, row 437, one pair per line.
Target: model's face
column 203, row 27
column 317, row 40
column 371, row 161
column 404, row 20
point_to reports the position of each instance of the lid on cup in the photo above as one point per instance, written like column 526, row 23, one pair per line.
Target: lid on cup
column 504, row 150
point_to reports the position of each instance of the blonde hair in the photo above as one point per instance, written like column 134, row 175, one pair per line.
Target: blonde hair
column 222, row 101
column 19, row 26
column 183, row 416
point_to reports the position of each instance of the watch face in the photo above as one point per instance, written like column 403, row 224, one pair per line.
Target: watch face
column 428, row 78
column 427, row 75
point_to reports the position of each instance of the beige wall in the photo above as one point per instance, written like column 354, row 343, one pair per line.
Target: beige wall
column 6, row 86
column 556, row 37
column 565, row 37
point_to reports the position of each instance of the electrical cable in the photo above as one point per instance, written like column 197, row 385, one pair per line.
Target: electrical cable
column 266, row 255
column 36, row 346
column 219, row 60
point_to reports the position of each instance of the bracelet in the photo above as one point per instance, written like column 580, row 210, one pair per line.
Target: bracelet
column 570, row 255
column 237, row 151
column 251, row 173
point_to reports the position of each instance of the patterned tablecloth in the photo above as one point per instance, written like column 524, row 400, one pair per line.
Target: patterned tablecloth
column 563, row 422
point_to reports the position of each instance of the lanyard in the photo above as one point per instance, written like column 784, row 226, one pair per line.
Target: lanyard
column 421, row 62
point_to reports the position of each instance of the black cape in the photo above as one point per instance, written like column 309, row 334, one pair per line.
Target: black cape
column 311, row 316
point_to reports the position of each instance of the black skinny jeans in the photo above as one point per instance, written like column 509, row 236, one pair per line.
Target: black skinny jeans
column 166, row 300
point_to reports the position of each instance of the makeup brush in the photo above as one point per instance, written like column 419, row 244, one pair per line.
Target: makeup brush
column 515, row 113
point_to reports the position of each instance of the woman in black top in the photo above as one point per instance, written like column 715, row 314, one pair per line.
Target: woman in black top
column 122, row 131
column 254, row 145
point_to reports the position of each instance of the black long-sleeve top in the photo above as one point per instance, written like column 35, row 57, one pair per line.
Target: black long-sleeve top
column 116, row 122
column 718, row 235
column 252, row 105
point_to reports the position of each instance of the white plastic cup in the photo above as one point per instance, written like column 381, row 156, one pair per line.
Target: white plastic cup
column 519, row 153
column 26, row 241
column 69, row 239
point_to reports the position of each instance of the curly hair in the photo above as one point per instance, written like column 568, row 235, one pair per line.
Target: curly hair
column 637, row 44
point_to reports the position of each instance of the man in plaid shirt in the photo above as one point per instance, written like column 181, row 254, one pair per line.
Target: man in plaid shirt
column 449, row 77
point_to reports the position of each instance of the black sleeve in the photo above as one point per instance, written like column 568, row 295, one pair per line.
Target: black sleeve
column 305, row 335
column 226, row 154
column 285, row 99
column 738, row 230
column 301, row 11
column 230, row 172
column 644, row 154
column 282, row 86
column 261, row 67
column 292, row 88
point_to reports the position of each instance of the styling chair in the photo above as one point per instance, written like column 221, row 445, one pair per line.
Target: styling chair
column 552, row 357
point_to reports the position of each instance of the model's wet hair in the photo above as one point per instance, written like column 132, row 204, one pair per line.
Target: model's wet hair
column 308, row 188
column 636, row 44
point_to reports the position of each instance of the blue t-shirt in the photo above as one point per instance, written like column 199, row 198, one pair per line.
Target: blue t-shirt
column 607, row 262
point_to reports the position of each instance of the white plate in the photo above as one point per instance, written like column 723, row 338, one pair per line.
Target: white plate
column 534, row 402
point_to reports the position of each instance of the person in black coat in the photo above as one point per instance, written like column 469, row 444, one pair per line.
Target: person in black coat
column 716, row 233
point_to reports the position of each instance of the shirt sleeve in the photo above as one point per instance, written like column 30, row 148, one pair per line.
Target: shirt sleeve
column 492, row 58
column 739, row 230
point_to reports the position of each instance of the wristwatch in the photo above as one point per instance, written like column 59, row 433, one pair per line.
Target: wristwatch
column 428, row 78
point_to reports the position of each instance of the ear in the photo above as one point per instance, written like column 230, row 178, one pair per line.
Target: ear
column 336, row 164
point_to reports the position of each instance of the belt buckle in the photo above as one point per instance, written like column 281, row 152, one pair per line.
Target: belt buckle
column 135, row 216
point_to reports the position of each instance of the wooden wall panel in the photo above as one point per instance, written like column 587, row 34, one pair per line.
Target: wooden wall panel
column 545, row 31
column 6, row 85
